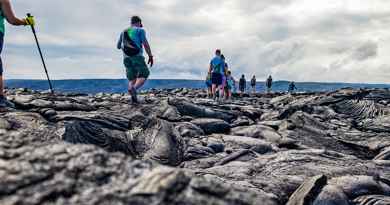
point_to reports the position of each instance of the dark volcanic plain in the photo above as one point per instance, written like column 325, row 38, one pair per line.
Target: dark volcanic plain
column 179, row 148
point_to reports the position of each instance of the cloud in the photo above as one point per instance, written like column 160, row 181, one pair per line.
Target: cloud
column 301, row 40
column 365, row 51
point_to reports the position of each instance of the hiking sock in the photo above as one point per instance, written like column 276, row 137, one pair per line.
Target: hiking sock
column 133, row 93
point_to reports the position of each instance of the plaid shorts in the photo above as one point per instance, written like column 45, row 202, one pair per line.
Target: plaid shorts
column 136, row 67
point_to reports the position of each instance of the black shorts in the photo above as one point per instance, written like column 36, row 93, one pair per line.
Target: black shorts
column 1, row 49
column 216, row 79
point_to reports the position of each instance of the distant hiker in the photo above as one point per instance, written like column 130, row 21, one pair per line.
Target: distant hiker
column 269, row 84
column 242, row 85
column 292, row 87
column 6, row 13
column 209, row 86
column 216, row 70
column 224, row 75
column 131, row 41
column 230, row 84
column 253, row 84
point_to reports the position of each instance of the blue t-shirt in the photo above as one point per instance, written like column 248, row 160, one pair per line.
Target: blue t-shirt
column 230, row 81
column 217, row 65
column 138, row 35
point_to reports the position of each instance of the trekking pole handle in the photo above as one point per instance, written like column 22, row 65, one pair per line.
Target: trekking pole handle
column 32, row 27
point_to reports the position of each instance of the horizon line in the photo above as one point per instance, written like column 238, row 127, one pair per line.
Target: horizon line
column 324, row 82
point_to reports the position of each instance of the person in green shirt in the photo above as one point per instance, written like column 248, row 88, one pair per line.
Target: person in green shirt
column 6, row 13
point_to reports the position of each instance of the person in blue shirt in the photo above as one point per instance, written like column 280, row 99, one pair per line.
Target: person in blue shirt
column 217, row 69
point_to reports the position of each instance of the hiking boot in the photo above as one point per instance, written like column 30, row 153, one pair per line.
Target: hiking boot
column 133, row 94
column 5, row 103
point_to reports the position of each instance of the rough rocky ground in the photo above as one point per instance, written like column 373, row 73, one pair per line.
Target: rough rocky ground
column 180, row 148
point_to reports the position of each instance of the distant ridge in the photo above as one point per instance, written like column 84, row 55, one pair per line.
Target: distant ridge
column 92, row 86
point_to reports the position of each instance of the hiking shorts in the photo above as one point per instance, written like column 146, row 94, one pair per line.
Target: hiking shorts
column 223, row 81
column 228, row 87
column 216, row 79
column 136, row 67
column 1, row 49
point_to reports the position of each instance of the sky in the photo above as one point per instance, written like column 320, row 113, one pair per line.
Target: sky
column 299, row 40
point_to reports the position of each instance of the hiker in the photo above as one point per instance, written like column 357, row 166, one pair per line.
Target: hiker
column 253, row 84
column 209, row 86
column 230, row 84
column 6, row 13
column 216, row 70
column 224, row 74
column 269, row 84
column 132, row 41
column 242, row 85
column 292, row 87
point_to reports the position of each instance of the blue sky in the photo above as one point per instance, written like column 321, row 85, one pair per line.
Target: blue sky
column 301, row 40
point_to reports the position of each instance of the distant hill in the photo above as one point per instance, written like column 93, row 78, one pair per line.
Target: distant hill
column 93, row 86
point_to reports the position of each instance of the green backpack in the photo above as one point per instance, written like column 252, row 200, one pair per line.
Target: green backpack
column 130, row 48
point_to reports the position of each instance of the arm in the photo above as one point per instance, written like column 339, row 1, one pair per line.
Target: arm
column 226, row 69
column 149, row 52
column 146, row 45
column 147, row 48
column 9, row 14
column 210, row 68
column 119, row 44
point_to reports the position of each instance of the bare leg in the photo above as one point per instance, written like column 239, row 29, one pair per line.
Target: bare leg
column 1, row 86
column 221, row 93
column 131, row 85
column 139, row 83
column 226, row 93
column 213, row 90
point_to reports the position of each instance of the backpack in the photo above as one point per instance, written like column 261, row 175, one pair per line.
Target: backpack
column 130, row 48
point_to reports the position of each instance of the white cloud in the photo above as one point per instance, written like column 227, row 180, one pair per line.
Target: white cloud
column 301, row 40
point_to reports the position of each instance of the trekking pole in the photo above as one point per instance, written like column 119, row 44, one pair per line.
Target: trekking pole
column 40, row 53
